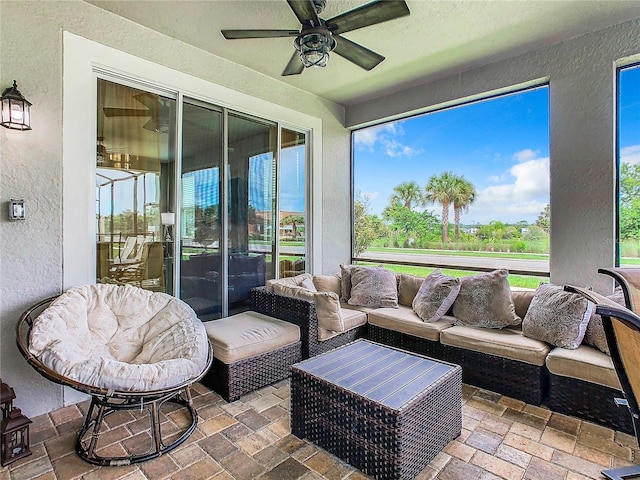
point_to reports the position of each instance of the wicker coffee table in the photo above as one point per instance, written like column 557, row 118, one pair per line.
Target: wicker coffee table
column 385, row 411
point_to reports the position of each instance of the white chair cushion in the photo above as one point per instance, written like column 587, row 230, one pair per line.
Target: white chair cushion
column 120, row 337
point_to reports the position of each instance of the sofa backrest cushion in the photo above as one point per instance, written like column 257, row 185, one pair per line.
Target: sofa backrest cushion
column 373, row 287
column 436, row 295
column 522, row 300
column 557, row 317
column 328, row 283
column 408, row 286
column 485, row 301
column 327, row 305
column 288, row 281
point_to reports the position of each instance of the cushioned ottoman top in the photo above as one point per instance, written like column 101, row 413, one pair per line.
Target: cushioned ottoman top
column 120, row 337
column 249, row 334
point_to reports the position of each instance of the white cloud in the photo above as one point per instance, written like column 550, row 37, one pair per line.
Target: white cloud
column 630, row 154
column 524, row 155
column 385, row 136
column 522, row 199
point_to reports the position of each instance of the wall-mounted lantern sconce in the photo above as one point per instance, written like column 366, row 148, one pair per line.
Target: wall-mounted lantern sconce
column 16, row 112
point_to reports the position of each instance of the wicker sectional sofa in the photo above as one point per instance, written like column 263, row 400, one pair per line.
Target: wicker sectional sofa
column 580, row 382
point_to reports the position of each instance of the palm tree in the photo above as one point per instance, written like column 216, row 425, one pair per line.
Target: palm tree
column 440, row 189
column 407, row 193
column 294, row 221
column 464, row 194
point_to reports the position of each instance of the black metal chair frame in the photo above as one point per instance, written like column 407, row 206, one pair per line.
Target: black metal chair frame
column 106, row 401
column 610, row 312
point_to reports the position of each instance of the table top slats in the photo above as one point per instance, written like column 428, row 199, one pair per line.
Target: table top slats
column 381, row 374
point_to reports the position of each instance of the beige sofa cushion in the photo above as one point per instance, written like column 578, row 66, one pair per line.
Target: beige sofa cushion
column 248, row 334
column 584, row 363
column 328, row 283
column 327, row 305
column 288, row 281
column 522, row 300
column 404, row 319
column 408, row 286
column 352, row 319
column 506, row 343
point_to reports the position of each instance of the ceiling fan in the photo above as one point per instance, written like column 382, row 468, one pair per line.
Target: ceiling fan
column 156, row 107
column 317, row 37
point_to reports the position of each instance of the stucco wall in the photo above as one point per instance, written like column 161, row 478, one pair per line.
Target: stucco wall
column 582, row 77
column 31, row 265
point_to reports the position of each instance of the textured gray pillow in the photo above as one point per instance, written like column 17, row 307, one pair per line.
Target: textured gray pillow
column 345, row 282
column 373, row 287
column 594, row 335
column 557, row 317
column 485, row 301
column 435, row 296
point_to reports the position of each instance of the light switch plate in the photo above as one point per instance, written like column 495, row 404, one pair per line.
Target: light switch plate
column 16, row 210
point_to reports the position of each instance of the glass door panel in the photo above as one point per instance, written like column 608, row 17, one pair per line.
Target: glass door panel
column 250, row 206
column 135, row 166
column 293, row 201
column 201, row 266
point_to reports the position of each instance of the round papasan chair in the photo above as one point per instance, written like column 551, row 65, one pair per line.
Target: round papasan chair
column 127, row 347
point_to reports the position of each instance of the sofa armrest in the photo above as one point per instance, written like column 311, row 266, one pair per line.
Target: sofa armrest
column 298, row 311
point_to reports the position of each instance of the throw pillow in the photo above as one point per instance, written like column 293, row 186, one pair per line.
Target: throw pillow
column 485, row 301
column 437, row 293
column 408, row 287
column 557, row 317
column 308, row 284
column 327, row 305
column 373, row 287
column 345, row 283
column 594, row 335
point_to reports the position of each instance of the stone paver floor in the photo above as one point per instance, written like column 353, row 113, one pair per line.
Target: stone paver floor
column 502, row 438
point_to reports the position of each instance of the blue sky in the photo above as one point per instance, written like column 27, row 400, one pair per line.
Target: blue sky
column 501, row 145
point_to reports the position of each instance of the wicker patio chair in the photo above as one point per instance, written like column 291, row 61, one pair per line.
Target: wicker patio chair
column 629, row 281
column 622, row 330
column 167, row 353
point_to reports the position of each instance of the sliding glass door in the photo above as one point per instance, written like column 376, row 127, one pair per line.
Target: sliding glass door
column 235, row 217
column 135, row 165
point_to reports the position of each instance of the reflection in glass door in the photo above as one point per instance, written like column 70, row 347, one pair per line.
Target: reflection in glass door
column 293, row 201
column 134, row 186
column 250, row 205
column 201, row 266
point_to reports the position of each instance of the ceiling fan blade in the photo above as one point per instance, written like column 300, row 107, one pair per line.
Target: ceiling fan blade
column 372, row 13
column 361, row 56
column 294, row 67
column 305, row 11
column 239, row 34
column 126, row 112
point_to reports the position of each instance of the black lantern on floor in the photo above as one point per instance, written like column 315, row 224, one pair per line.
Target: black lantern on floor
column 16, row 110
column 7, row 395
column 15, row 437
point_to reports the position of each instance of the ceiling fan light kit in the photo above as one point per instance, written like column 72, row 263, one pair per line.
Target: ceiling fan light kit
column 314, row 46
column 318, row 37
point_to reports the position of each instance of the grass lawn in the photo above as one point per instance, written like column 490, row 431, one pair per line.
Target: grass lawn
column 521, row 281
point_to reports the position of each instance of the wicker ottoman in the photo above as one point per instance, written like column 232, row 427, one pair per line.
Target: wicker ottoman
column 385, row 411
column 250, row 351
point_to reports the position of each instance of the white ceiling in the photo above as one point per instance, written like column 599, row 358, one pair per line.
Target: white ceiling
column 439, row 38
